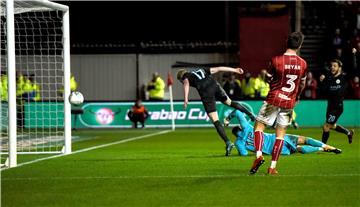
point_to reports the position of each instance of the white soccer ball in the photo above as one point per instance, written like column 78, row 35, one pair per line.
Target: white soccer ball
column 76, row 98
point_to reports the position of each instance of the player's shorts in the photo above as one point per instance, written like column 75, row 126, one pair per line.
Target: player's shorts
column 333, row 114
column 269, row 113
column 212, row 94
column 291, row 142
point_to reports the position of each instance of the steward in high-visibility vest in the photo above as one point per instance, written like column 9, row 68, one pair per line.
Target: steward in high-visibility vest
column 73, row 83
column 263, row 85
column 156, row 88
column 28, row 91
column 36, row 89
column 4, row 88
column 19, row 85
column 249, row 86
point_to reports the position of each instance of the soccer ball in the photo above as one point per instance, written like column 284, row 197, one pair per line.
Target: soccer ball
column 76, row 98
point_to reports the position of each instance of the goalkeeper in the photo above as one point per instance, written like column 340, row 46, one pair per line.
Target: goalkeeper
column 292, row 143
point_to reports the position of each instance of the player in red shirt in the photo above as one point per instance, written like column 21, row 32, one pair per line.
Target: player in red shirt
column 287, row 74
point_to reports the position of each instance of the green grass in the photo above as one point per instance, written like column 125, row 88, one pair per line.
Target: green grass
column 182, row 168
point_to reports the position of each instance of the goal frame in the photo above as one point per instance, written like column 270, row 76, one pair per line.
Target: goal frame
column 11, row 67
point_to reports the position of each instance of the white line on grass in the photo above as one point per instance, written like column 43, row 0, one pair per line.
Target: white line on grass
column 92, row 148
column 174, row 176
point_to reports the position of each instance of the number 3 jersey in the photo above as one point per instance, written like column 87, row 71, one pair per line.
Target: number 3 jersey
column 287, row 71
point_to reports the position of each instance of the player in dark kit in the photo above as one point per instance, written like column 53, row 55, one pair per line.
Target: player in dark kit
column 287, row 75
column 334, row 85
column 210, row 91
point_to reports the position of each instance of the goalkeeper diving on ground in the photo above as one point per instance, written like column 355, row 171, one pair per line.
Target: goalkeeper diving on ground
column 244, row 142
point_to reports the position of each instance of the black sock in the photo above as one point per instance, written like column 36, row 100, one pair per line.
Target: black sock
column 341, row 129
column 325, row 136
column 221, row 131
column 242, row 109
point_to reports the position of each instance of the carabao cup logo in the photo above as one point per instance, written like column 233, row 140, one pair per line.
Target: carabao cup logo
column 104, row 116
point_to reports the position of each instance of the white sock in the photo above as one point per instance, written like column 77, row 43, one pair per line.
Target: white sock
column 273, row 164
column 258, row 154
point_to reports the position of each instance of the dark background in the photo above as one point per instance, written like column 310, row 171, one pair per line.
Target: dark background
column 133, row 22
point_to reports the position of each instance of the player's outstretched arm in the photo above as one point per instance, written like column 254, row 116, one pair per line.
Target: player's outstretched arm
column 226, row 69
column 186, row 85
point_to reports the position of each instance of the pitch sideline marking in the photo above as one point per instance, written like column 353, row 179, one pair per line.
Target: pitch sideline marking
column 172, row 176
column 92, row 148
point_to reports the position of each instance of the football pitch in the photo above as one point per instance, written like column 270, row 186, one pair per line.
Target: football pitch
column 153, row 167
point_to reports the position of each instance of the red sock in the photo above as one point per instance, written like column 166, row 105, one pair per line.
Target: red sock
column 277, row 149
column 258, row 140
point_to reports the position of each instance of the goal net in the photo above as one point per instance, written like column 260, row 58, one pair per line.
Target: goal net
column 34, row 82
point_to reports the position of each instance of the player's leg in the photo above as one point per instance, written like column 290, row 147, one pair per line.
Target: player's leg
column 209, row 102
column 330, row 120
column 279, row 142
column 326, row 133
column 258, row 144
column 332, row 116
column 344, row 130
column 283, row 120
column 221, row 95
column 305, row 149
column 309, row 145
column 266, row 116
column 221, row 131
column 259, row 128
column 239, row 107
column 293, row 120
column 310, row 141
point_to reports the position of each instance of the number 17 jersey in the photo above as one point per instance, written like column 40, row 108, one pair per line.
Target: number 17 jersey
column 287, row 71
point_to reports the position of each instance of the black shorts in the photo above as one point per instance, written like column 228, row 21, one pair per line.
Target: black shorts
column 333, row 113
column 210, row 95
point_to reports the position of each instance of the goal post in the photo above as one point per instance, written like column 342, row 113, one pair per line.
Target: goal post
column 35, row 63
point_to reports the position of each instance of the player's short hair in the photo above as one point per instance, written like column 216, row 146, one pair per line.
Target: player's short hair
column 235, row 130
column 337, row 61
column 180, row 73
column 295, row 40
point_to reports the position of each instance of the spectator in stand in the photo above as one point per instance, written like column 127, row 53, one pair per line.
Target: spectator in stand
column 232, row 87
column 337, row 43
column 310, row 87
column 249, row 86
column 356, row 59
column 138, row 113
column 355, row 88
column 355, row 39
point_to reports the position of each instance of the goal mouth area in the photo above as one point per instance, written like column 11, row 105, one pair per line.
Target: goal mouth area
column 30, row 144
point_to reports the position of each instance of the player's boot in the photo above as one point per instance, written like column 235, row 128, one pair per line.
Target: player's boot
column 332, row 149
column 228, row 149
column 350, row 136
column 257, row 163
column 296, row 125
column 329, row 148
column 272, row 171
